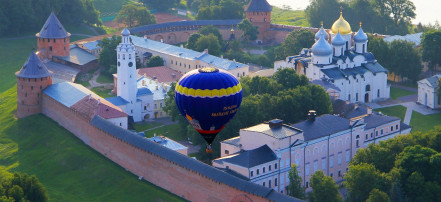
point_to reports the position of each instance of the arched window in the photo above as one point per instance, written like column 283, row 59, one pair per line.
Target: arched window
column 368, row 88
column 378, row 93
column 357, row 141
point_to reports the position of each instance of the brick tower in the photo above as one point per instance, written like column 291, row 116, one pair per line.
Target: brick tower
column 53, row 40
column 32, row 79
column 258, row 12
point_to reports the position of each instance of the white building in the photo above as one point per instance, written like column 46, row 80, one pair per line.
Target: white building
column 427, row 92
column 344, row 64
column 264, row 153
column 135, row 101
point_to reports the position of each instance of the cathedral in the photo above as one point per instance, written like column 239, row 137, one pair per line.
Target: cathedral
column 339, row 62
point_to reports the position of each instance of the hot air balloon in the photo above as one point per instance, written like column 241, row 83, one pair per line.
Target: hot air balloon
column 208, row 98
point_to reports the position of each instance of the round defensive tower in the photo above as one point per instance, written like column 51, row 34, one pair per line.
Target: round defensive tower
column 32, row 79
column 258, row 12
column 53, row 40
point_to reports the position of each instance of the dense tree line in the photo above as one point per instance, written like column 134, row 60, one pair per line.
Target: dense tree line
column 21, row 187
column 160, row 5
column 378, row 16
column 286, row 96
column 135, row 15
column 224, row 9
column 431, row 48
column 17, row 17
column 405, row 168
column 294, row 43
column 108, row 57
column 399, row 57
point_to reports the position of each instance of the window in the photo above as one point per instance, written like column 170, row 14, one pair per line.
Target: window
column 339, row 173
column 243, row 73
column 315, row 165
column 275, row 166
column 120, row 124
column 307, row 184
column 269, row 168
column 349, row 97
column 331, row 174
column 376, row 133
column 258, row 173
column 54, row 40
column 156, row 107
column 41, row 87
column 130, row 56
column 382, row 131
column 331, row 161
column 252, row 173
column 366, row 136
column 227, row 152
column 396, row 127
column 378, row 93
column 160, row 104
column 237, row 74
column 263, row 170
column 324, row 163
column 269, row 183
column 275, row 182
column 26, row 94
column 32, row 87
column 307, row 169
column 263, row 183
column 124, row 56
column 372, row 135
column 391, row 128
column 348, row 155
column 131, row 111
column 50, row 48
column 357, row 140
column 38, row 95
column 145, row 107
column 339, row 158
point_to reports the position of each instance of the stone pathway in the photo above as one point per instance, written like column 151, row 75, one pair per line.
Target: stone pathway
column 408, row 116
column 93, row 83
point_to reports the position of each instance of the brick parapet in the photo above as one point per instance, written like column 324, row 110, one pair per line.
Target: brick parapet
column 29, row 93
column 54, row 47
column 160, row 171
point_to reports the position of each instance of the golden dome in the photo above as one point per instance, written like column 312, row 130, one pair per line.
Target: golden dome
column 341, row 25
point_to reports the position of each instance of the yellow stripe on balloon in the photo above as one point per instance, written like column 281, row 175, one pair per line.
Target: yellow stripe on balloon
column 208, row 93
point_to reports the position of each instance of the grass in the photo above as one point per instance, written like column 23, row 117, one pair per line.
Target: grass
column 104, row 79
column 79, row 29
column 70, row 170
column 397, row 111
column 145, row 126
column 171, row 131
column 424, row 123
column 101, row 91
column 109, row 7
column 289, row 17
column 398, row 92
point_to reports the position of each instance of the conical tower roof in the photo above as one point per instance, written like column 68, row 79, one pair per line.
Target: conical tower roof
column 259, row 6
column 33, row 68
column 125, row 32
column 53, row 29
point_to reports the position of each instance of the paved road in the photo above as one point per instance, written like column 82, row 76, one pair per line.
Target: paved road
column 93, row 83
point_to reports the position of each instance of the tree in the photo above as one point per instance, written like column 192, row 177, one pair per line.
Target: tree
column 377, row 196
column 405, row 59
column 210, row 29
column 225, row 9
column 431, row 47
column 401, row 10
column 21, row 187
column 209, row 42
column 108, row 55
column 360, row 180
column 295, row 188
column 160, row 5
column 133, row 14
column 396, row 192
column 325, row 11
column 191, row 42
column 250, row 32
column 155, row 61
column 324, row 188
column 296, row 41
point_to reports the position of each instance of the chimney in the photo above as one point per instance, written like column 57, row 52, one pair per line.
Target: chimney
column 162, row 40
column 206, row 51
column 275, row 123
column 311, row 115
column 222, row 56
column 234, row 60
column 369, row 110
column 182, row 46
column 99, row 101
column 90, row 96
column 173, row 75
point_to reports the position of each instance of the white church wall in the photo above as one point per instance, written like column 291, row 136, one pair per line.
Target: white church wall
column 120, row 121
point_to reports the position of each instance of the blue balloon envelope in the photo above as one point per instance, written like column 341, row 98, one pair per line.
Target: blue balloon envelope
column 208, row 98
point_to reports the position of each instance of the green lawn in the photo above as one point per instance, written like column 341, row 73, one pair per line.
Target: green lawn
column 423, row 123
column 70, row 170
column 104, row 79
column 289, row 17
column 108, row 7
column 103, row 92
column 397, row 111
column 171, row 131
column 398, row 92
column 145, row 125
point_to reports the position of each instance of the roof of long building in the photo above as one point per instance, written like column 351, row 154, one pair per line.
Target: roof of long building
column 177, row 51
column 53, row 29
column 33, row 68
column 277, row 132
column 78, row 56
column 250, row 158
column 187, row 162
column 145, row 28
column 322, row 126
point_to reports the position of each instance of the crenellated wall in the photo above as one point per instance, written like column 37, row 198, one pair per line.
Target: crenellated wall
column 193, row 180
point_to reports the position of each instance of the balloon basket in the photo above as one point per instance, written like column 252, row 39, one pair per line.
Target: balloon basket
column 208, row 151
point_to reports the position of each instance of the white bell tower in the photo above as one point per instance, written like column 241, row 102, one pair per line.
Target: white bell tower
column 126, row 72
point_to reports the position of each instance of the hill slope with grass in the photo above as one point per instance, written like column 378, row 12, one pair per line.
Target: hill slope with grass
column 70, row 170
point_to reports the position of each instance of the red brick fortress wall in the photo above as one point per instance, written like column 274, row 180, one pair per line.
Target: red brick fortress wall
column 165, row 173
column 29, row 94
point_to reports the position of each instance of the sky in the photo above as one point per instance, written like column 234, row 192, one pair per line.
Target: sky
column 427, row 10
